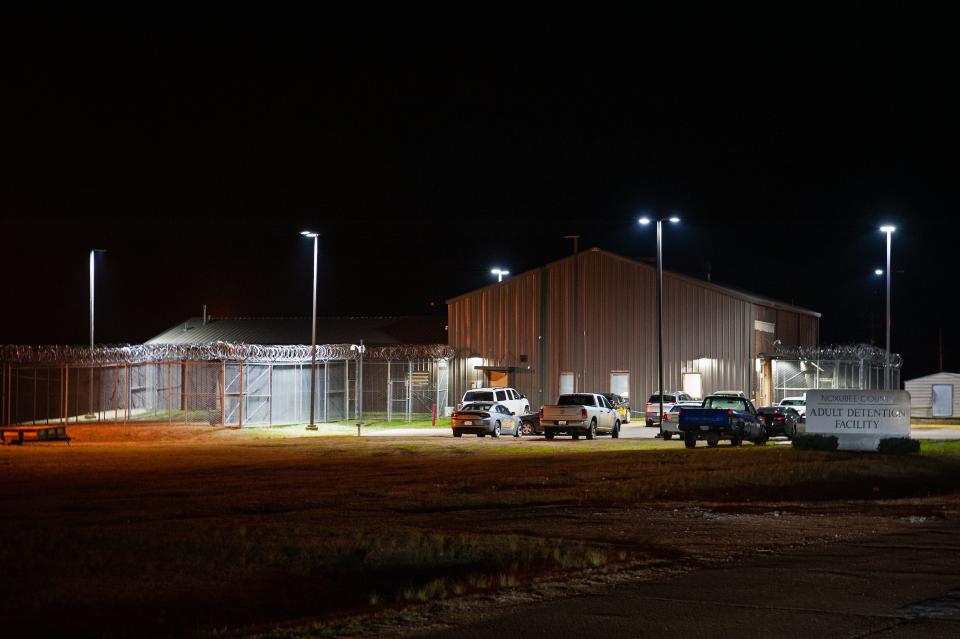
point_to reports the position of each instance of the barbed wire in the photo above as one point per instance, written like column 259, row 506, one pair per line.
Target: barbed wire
column 214, row 351
column 845, row 352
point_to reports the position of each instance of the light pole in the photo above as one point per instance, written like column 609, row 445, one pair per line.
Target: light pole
column 90, row 414
column 673, row 219
column 361, row 349
column 499, row 273
column 888, row 229
column 313, row 333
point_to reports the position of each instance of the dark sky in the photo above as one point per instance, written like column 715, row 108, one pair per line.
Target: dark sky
column 428, row 145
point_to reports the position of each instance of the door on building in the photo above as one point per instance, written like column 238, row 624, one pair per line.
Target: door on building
column 693, row 385
column 942, row 400
column 620, row 383
column 567, row 384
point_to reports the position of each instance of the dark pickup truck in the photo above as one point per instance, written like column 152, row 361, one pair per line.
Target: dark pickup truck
column 722, row 417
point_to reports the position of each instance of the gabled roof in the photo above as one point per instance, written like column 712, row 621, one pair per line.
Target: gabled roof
column 375, row 331
column 728, row 290
column 935, row 376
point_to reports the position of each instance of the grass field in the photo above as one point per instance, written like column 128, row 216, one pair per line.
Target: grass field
column 140, row 531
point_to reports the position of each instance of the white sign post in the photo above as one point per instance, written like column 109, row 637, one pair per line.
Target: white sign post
column 858, row 418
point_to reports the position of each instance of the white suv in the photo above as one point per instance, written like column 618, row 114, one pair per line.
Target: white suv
column 514, row 400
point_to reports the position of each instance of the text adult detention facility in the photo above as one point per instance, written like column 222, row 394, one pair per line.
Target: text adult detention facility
column 588, row 322
column 235, row 372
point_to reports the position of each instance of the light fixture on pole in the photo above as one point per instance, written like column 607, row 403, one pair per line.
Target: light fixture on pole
column 888, row 229
column 645, row 221
column 878, row 271
column 361, row 349
column 90, row 414
column 313, row 334
column 499, row 273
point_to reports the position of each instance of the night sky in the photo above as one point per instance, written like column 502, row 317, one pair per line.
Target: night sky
column 429, row 145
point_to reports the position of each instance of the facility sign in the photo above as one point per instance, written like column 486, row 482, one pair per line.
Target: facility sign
column 859, row 418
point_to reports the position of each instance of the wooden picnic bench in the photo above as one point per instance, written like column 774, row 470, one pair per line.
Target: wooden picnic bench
column 40, row 434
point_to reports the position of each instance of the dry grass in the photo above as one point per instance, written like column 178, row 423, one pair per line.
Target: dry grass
column 206, row 531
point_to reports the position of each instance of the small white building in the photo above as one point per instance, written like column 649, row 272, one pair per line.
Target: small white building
column 936, row 395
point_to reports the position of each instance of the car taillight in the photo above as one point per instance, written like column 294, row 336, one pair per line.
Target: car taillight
column 666, row 417
column 729, row 412
column 583, row 413
column 455, row 414
column 484, row 414
column 541, row 413
column 680, row 412
column 779, row 418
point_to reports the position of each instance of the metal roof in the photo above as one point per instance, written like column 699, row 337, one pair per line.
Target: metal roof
column 733, row 292
column 375, row 331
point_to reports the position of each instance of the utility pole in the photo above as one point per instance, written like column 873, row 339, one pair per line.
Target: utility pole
column 576, row 315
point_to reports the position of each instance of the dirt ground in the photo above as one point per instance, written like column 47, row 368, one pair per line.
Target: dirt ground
column 158, row 530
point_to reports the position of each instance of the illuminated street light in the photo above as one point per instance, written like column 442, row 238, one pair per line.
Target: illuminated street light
column 888, row 229
column 499, row 273
column 90, row 414
column 645, row 221
column 879, row 271
column 313, row 333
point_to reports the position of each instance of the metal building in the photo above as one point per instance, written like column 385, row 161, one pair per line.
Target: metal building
column 588, row 322
column 936, row 395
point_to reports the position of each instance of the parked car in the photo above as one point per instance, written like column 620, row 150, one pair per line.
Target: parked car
column 780, row 420
column 669, row 426
column 576, row 414
column 798, row 404
column 485, row 418
column 530, row 424
column 669, row 399
column 722, row 417
column 621, row 405
column 515, row 401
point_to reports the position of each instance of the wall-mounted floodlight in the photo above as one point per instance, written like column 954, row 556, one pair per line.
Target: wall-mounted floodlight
column 499, row 273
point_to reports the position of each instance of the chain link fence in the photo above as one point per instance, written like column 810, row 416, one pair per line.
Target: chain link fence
column 858, row 366
column 241, row 391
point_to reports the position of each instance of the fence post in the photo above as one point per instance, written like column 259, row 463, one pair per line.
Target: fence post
column 241, row 397
column 66, row 395
column 409, row 390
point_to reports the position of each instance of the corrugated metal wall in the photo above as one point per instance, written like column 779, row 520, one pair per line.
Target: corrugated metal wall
column 613, row 328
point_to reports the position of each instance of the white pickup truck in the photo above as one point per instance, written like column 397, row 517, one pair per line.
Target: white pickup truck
column 578, row 414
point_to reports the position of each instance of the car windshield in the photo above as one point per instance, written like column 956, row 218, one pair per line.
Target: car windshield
column 725, row 403
column 576, row 400
column 676, row 408
column 478, row 396
column 792, row 402
column 477, row 406
column 655, row 399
